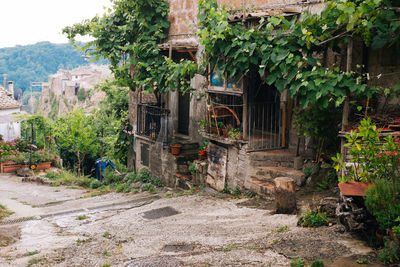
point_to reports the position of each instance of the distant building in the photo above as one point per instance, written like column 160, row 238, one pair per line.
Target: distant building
column 10, row 126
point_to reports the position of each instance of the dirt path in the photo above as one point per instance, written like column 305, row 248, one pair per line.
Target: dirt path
column 149, row 230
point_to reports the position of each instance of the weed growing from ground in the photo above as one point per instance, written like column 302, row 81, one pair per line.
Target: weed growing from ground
column 282, row 229
column 226, row 190
column 33, row 262
column 106, row 253
column 30, row 253
column 230, row 247
column 317, row 263
column 298, row 262
column 236, row 191
column 313, row 218
column 250, row 194
column 362, row 261
column 81, row 217
column 106, row 234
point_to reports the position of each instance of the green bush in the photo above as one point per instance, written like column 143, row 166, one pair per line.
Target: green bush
column 145, row 176
column 382, row 202
column 317, row 263
column 148, row 187
column 236, row 191
column 389, row 253
column 313, row 218
column 123, row 188
column 131, row 178
column 95, row 184
column 192, row 168
column 226, row 189
column 81, row 94
column 297, row 262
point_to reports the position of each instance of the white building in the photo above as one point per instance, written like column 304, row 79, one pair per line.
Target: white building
column 10, row 126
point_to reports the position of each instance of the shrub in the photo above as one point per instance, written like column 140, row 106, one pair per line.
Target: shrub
column 370, row 159
column 131, row 177
column 381, row 201
column 95, row 184
column 42, row 156
column 123, row 188
column 297, row 262
column 145, row 176
column 148, row 187
column 389, row 253
column 313, row 218
column 317, row 263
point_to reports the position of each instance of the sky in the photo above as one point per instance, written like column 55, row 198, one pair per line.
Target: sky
column 24, row 22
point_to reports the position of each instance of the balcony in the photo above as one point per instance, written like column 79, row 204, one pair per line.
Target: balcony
column 152, row 122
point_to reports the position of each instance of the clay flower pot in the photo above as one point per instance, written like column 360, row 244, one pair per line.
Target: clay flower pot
column 202, row 154
column 176, row 149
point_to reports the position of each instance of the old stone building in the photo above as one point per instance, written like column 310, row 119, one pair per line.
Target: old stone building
column 248, row 124
column 60, row 94
column 10, row 109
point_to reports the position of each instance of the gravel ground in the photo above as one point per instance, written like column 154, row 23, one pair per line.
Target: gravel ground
column 151, row 230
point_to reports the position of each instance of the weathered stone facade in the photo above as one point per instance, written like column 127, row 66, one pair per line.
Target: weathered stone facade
column 235, row 164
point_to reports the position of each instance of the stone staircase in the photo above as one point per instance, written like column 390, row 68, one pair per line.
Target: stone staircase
column 265, row 166
column 189, row 153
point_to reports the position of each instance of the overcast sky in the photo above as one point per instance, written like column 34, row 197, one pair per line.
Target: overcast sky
column 25, row 22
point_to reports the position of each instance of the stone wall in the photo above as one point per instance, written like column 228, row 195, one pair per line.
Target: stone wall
column 183, row 18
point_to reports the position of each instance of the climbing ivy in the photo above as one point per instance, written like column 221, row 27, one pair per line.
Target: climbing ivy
column 128, row 36
column 284, row 50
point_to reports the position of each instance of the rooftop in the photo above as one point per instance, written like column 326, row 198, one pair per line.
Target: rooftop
column 7, row 101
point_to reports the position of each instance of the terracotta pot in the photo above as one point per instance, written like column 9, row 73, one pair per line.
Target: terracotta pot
column 12, row 168
column 202, row 156
column 43, row 166
column 215, row 130
column 354, row 188
column 225, row 132
column 176, row 149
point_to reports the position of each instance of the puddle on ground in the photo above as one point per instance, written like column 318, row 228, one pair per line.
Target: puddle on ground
column 159, row 213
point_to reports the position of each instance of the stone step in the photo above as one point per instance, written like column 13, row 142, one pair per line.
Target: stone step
column 268, row 174
column 183, row 180
column 273, row 158
column 187, row 155
column 262, row 188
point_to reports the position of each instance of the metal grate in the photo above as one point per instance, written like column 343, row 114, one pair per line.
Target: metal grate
column 153, row 122
column 265, row 120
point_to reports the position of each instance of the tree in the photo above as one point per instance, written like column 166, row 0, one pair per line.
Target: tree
column 128, row 36
column 74, row 132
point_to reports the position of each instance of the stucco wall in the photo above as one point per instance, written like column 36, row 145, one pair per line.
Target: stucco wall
column 10, row 130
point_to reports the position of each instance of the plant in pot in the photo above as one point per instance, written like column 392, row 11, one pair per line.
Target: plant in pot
column 202, row 125
column 234, row 133
column 203, row 149
column 175, row 147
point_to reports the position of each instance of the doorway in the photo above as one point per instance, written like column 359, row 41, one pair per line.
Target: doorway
column 183, row 113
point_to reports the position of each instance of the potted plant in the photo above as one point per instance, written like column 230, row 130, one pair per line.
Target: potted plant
column 175, row 147
column 202, row 125
column 235, row 133
column 203, row 149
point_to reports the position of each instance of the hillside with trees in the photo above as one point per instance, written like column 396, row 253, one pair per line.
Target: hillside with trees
column 33, row 63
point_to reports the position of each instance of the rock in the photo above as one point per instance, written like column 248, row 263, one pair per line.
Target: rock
column 25, row 172
column 136, row 185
